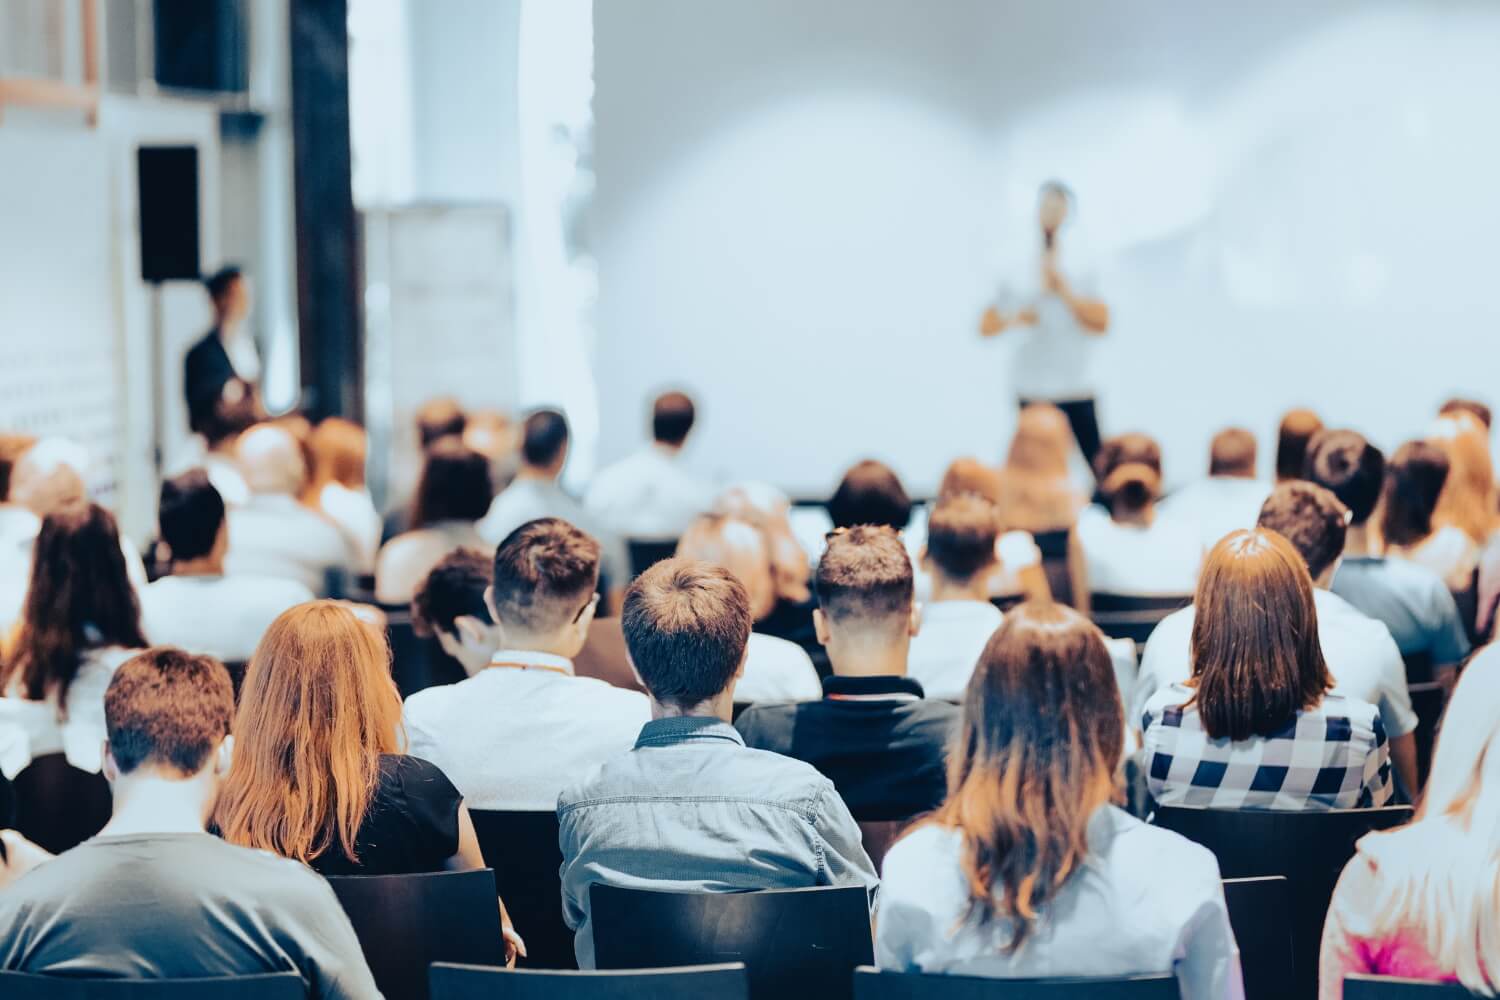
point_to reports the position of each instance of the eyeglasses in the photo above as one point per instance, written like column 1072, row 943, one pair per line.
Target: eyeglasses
column 590, row 603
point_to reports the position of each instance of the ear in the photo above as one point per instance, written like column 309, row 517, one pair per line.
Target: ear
column 915, row 624
column 587, row 618
column 110, row 768
column 820, row 626
column 452, row 646
column 224, row 756
column 634, row 672
column 467, row 629
column 489, row 603
column 924, row 560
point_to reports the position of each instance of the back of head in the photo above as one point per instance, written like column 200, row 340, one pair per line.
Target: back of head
column 1041, row 443
column 1309, row 517
column 672, row 418
column 338, row 450
column 1128, row 468
column 455, row 587
column 1349, row 467
column 1257, row 659
column 972, row 477
column 48, row 476
column 272, row 461
column 1414, row 480
column 1473, row 407
column 317, row 710
column 1470, row 501
column 219, row 284
column 686, row 626
column 1232, row 453
column 190, row 516
column 738, row 545
column 865, row 580
column 167, row 710
column 544, row 439
column 438, row 419
column 455, row 485
column 870, row 493
column 223, row 423
column 12, row 447
column 1034, row 757
column 1296, row 432
column 545, row 572
column 961, row 535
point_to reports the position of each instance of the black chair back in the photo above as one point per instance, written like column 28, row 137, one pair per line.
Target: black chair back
column 872, row 984
column 472, row 982
column 417, row 662
column 794, row 942
column 522, row 849
column 406, row 922
column 1259, row 909
column 277, row 986
column 647, row 552
column 1428, row 700
column 878, row 835
column 1129, row 616
column 1309, row 848
column 1388, row 988
column 1054, row 549
column 1468, row 607
column 1419, row 667
column 58, row 806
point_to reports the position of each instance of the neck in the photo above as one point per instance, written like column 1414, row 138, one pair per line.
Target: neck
column 1138, row 518
column 1357, row 541
column 871, row 654
column 209, row 565
column 153, row 803
column 721, row 707
column 536, row 473
column 667, row 449
column 556, row 644
column 945, row 588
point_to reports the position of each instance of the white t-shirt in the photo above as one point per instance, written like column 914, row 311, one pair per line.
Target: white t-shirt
column 1449, row 552
column 406, row 559
column 528, row 499
column 1160, row 559
column 34, row 729
column 1361, row 656
column 777, row 669
column 274, row 535
column 1054, row 358
column 353, row 513
column 947, row 646
column 219, row 616
column 1217, row 505
column 648, row 495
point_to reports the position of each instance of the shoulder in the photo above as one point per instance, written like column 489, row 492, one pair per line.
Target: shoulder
column 435, row 699
column 1169, row 705
column 928, row 850
column 602, row 692
column 1361, row 714
column 769, row 725
column 1137, row 846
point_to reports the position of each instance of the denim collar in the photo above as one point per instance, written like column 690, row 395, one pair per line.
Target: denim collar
column 683, row 728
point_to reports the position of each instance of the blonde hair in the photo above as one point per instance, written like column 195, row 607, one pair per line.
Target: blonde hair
column 1033, row 491
column 337, row 447
column 317, row 710
column 1469, row 498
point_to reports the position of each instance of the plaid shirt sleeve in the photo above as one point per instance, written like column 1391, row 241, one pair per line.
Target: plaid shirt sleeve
column 1378, row 782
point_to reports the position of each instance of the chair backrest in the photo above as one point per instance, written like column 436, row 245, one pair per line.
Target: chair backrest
column 604, row 657
column 472, row 982
column 1467, row 601
column 647, row 552
column 1388, row 988
column 522, row 849
column 417, row 662
column 878, row 836
column 406, row 922
column 58, row 806
column 1131, row 616
column 1428, row 700
column 1054, row 549
column 873, row 984
column 794, row 942
column 1419, row 667
column 1259, row 909
column 275, row 986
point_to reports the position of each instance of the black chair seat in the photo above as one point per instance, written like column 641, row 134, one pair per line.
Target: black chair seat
column 873, row 984
column 522, row 849
column 794, row 942
column 1259, row 909
column 647, row 552
column 277, row 986
column 1389, row 988
column 58, row 806
column 472, row 982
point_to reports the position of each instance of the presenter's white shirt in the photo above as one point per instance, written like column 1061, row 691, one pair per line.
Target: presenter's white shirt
column 1054, row 358
column 35, row 729
column 648, row 495
column 219, row 616
column 1217, row 505
column 947, row 646
column 1160, row 559
column 777, row 669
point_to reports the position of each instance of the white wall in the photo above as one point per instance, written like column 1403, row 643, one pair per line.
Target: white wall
column 800, row 207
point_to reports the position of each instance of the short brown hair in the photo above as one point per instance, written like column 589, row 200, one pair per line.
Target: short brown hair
column 1309, row 517
column 1232, row 453
column 961, row 535
column 1257, row 660
column 1128, row 467
column 1292, row 438
column 440, row 418
column 454, row 587
column 672, row 417
column 870, row 493
column 168, row 708
column 864, row 573
column 1479, row 411
column 541, row 571
column 686, row 625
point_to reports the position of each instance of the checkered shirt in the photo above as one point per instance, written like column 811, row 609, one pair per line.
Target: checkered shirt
column 1333, row 756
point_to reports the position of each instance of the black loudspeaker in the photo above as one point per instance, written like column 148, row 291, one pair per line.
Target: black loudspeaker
column 200, row 45
column 168, row 181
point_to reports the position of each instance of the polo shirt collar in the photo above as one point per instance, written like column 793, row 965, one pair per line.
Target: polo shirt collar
column 527, row 659
column 881, row 688
column 684, row 728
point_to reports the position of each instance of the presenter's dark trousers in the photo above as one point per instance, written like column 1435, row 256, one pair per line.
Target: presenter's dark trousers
column 1083, row 420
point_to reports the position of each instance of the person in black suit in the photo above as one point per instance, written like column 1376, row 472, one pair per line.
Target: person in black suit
column 223, row 367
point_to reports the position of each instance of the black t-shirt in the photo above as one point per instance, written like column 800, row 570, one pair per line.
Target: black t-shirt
column 411, row 826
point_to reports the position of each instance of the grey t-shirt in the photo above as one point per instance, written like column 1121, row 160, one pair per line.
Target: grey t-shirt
column 1411, row 600
column 180, row 905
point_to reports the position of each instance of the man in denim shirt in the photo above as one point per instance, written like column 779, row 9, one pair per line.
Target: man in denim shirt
column 691, row 808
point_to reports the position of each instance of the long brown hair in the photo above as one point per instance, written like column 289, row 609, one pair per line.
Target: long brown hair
column 336, row 454
column 80, row 598
column 1257, row 660
column 1035, row 756
column 1033, row 489
column 317, row 710
column 1414, row 481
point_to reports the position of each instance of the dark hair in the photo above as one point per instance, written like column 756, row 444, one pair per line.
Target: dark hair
column 541, row 571
column 12, row 447
column 544, row 436
column 1352, row 468
column 440, row 418
column 168, row 708
column 1257, row 660
column 864, row 573
column 870, row 493
column 1309, row 517
column 1292, row 438
column 672, row 417
column 1128, row 468
column 1057, row 187
column 686, row 625
column 80, row 598
column 190, row 515
column 1232, row 453
column 454, row 588
column 225, row 420
column 1414, row 480
column 1473, row 407
column 961, row 535
column 455, row 484
column 218, row 284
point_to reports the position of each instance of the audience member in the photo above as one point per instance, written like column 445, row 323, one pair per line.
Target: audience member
column 1035, row 494
column 221, row 434
column 1296, row 432
column 651, row 494
column 1129, row 547
column 776, row 669
column 1419, row 902
column 870, row 493
column 435, row 420
column 1414, row 483
column 154, row 896
column 336, row 487
column 1017, row 571
column 1479, row 411
column 1470, row 500
column 958, row 618
column 18, row 528
column 519, row 730
column 452, row 495
column 497, row 437
column 873, row 734
column 274, row 534
column 197, row 607
column 691, row 807
column 1028, row 869
column 1410, row 600
column 1230, row 498
column 450, row 606
column 1257, row 727
column 81, row 620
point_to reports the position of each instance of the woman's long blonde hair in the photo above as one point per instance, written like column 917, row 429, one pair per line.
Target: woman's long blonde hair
column 317, row 710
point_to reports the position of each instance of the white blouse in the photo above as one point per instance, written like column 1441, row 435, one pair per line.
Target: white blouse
column 32, row 729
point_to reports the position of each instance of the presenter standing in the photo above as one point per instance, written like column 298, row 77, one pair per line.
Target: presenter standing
column 1059, row 322
column 222, row 371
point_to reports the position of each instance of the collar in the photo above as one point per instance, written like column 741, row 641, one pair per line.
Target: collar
column 684, row 728
column 530, row 659
column 882, row 688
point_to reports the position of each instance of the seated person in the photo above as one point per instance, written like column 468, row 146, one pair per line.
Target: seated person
column 450, row 607
column 1408, row 599
column 1130, row 548
column 1036, row 494
column 1230, row 498
column 1297, row 430
column 1027, row 869
column 1415, row 479
column 873, row 733
column 1363, row 659
column 690, row 808
column 154, row 896
column 1256, row 726
column 452, row 495
column 1017, row 573
column 197, row 607
column 958, row 619
column 514, row 734
column 651, row 494
column 336, row 487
